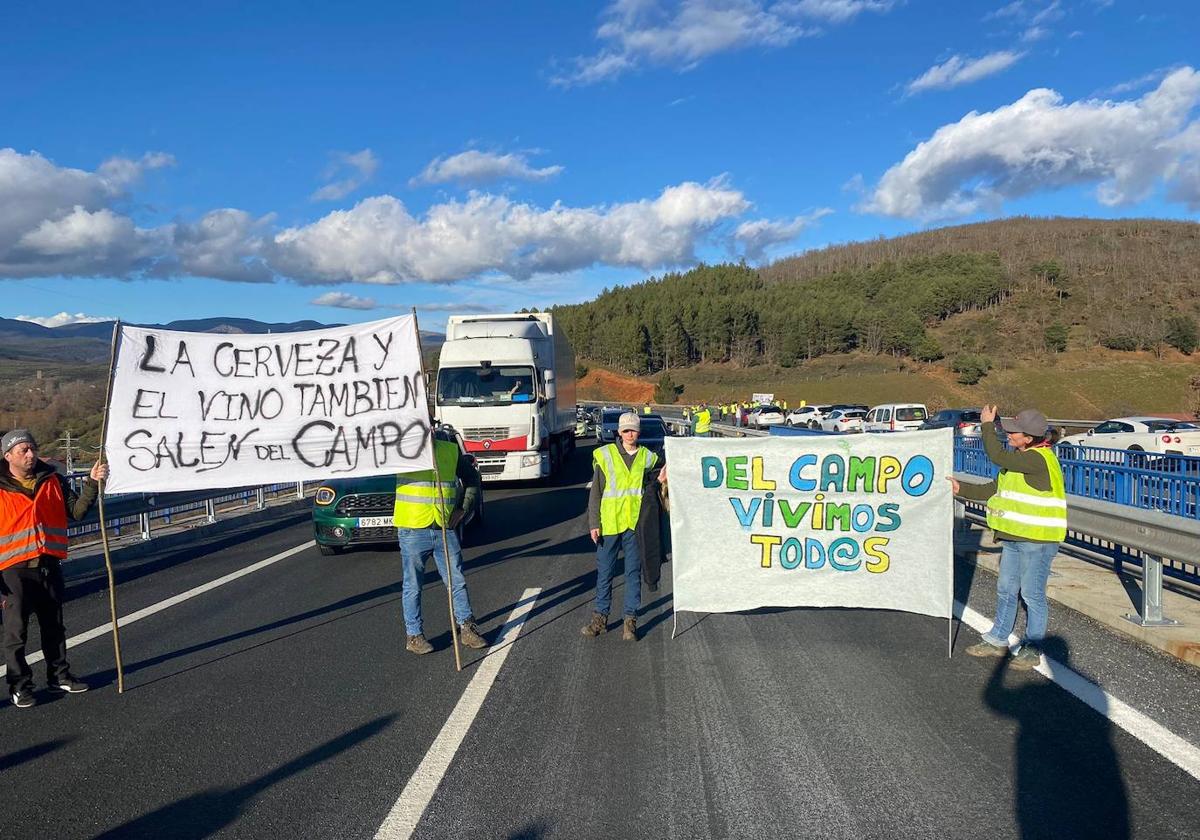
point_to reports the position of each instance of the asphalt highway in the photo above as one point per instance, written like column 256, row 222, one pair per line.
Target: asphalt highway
column 282, row 704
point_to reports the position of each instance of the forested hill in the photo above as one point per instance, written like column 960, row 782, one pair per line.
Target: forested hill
column 959, row 295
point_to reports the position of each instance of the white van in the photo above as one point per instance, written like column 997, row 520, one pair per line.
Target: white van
column 895, row 417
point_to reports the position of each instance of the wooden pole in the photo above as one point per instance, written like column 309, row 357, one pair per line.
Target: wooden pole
column 442, row 506
column 112, row 587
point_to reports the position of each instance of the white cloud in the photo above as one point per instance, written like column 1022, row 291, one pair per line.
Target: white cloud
column 378, row 241
column 343, row 300
column 64, row 318
column 682, row 33
column 757, row 235
column 957, row 70
column 1041, row 143
column 57, row 220
column 355, row 170
column 474, row 167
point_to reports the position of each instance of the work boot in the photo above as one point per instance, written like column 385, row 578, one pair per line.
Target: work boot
column 419, row 645
column 629, row 632
column 596, row 626
column 1026, row 658
column 984, row 649
column 468, row 634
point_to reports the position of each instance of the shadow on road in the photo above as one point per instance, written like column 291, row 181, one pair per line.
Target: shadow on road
column 14, row 759
column 1068, row 777
column 204, row 814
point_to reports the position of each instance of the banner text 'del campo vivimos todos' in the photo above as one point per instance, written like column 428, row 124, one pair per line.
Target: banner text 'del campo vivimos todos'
column 838, row 521
column 195, row 411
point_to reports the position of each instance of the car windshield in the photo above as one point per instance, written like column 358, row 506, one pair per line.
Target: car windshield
column 771, row 410
column 485, row 385
column 853, row 415
column 611, row 416
column 652, row 429
column 916, row 413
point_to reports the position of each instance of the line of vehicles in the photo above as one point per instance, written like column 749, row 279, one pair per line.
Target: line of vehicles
column 505, row 384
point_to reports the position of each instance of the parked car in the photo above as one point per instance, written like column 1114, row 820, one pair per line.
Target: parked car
column 844, row 420
column 895, row 417
column 1137, row 434
column 653, row 434
column 964, row 421
column 358, row 511
column 765, row 416
column 606, row 427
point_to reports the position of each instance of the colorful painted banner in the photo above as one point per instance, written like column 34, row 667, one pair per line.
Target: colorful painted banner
column 196, row 411
column 834, row 521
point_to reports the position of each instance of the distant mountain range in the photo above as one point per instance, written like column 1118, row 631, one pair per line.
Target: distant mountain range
column 90, row 343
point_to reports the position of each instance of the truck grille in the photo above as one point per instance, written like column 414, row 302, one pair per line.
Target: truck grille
column 367, row 504
column 486, row 433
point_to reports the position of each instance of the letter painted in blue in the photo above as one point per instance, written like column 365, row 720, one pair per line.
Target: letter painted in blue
column 746, row 517
column 844, row 548
column 806, row 485
column 790, row 553
column 863, row 518
column 890, row 513
column 814, row 553
column 917, row 477
column 833, row 473
column 712, row 473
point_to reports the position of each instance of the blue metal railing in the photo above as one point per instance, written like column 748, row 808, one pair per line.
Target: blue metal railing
column 1143, row 480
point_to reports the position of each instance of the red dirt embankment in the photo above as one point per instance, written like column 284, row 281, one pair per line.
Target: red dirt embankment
column 606, row 385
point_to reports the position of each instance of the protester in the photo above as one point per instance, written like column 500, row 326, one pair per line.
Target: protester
column 419, row 516
column 1027, row 509
column 35, row 502
column 621, row 476
column 703, row 421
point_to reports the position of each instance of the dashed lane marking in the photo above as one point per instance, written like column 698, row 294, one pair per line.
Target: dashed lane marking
column 402, row 820
column 1179, row 751
column 146, row 612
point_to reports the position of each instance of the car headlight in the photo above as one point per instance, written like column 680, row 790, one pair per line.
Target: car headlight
column 325, row 496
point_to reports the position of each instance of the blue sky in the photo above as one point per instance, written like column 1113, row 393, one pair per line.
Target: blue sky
column 339, row 161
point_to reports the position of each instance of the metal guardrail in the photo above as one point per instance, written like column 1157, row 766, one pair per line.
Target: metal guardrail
column 146, row 510
column 1142, row 480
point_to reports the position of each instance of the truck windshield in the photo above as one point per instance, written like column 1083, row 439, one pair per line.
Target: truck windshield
column 485, row 385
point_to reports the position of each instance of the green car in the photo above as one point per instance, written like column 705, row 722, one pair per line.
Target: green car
column 358, row 511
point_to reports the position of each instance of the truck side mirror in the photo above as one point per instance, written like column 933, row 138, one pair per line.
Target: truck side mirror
column 549, row 389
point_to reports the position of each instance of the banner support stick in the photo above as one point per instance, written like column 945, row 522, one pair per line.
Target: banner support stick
column 442, row 506
column 112, row 588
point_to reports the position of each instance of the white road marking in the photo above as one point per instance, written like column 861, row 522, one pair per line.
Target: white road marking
column 402, row 820
column 1179, row 751
column 146, row 612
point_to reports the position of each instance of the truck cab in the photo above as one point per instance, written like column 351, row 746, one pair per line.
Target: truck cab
column 507, row 384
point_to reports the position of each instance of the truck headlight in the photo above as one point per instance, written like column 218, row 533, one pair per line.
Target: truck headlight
column 531, row 460
column 325, row 496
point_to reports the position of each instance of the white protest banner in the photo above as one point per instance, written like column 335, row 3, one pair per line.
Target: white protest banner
column 821, row 521
column 195, row 411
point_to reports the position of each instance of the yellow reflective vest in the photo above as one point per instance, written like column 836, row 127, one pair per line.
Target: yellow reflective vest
column 703, row 421
column 1023, row 511
column 417, row 503
column 621, row 501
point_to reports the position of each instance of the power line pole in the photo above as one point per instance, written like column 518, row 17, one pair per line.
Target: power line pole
column 66, row 445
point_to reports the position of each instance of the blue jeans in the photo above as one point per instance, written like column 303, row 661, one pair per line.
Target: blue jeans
column 606, row 567
column 1024, row 570
column 416, row 547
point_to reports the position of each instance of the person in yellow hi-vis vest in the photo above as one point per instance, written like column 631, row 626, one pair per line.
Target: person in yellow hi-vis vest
column 621, row 474
column 703, row 422
column 1027, row 508
column 419, row 516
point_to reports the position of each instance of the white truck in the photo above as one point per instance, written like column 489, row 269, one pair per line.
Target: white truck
column 506, row 383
